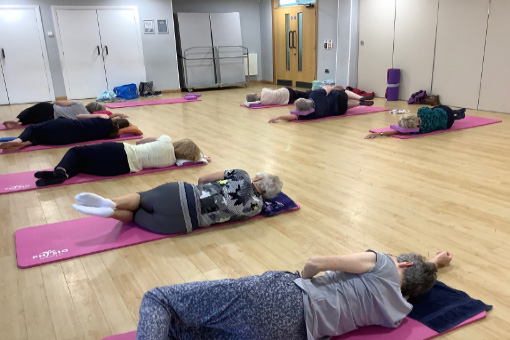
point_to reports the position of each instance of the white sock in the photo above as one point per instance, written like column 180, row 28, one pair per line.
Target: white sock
column 92, row 200
column 94, row 211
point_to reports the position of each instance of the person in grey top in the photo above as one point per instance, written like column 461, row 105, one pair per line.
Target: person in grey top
column 179, row 207
column 361, row 289
column 71, row 109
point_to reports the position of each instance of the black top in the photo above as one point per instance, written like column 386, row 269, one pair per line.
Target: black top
column 67, row 131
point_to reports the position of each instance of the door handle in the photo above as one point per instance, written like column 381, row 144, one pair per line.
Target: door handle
column 106, row 49
column 3, row 53
column 98, row 51
column 290, row 32
column 293, row 39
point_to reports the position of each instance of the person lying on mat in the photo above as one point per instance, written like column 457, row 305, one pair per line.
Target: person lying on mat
column 282, row 96
column 113, row 159
column 426, row 120
column 179, row 207
column 325, row 102
column 42, row 112
column 356, row 290
column 69, row 131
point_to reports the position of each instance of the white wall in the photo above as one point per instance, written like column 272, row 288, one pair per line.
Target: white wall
column 327, row 29
column 266, row 41
column 347, row 43
column 158, row 49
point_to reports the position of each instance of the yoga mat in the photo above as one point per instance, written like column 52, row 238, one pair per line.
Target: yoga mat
column 358, row 110
column 44, row 147
column 393, row 80
column 150, row 102
column 264, row 106
column 466, row 123
column 409, row 329
column 25, row 181
column 65, row 240
column 3, row 127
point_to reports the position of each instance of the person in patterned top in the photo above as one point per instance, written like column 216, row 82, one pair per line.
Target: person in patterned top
column 179, row 207
column 427, row 120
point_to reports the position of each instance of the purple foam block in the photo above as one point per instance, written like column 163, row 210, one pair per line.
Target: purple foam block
column 190, row 97
column 393, row 76
column 403, row 130
column 302, row 113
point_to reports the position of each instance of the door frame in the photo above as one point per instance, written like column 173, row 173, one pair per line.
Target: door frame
column 273, row 6
column 59, row 42
column 37, row 11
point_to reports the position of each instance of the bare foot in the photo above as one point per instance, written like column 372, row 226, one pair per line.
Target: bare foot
column 11, row 124
column 11, row 146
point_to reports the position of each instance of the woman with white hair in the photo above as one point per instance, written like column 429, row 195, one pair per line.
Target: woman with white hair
column 178, row 207
column 325, row 102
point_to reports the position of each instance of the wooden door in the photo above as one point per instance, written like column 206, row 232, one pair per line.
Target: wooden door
column 295, row 45
column 22, row 56
column 81, row 52
column 122, row 48
column 376, row 34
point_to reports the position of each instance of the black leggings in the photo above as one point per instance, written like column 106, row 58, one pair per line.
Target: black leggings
column 38, row 113
column 295, row 95
column 453, row 115
column 105, row 159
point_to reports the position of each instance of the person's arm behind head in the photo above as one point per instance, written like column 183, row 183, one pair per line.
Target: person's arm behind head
column 354, row 263
column 88, row 116
column 211, row 177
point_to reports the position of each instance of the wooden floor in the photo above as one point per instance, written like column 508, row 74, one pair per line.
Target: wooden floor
column 444, row 192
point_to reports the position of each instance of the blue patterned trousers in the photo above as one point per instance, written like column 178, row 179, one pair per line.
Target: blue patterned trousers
column 262, row 307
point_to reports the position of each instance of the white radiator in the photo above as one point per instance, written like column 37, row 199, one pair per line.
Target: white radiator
column 252, row 57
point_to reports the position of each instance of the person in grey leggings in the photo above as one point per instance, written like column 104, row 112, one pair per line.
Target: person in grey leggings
column 178, row 207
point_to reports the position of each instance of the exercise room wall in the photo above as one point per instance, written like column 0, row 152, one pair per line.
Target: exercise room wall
column 159, row 49
column 326, row 30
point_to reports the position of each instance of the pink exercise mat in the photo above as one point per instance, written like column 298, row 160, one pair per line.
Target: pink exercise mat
column 3, row 127
column 69, row 239
column 24, row 181
column 466, row 123
column 264, row 106
column 44, row 147
column 409, row 329
column 358, row 110
column 150, row 102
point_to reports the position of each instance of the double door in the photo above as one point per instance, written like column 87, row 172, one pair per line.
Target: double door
column 99, row 49
column 295, row 45
column 24, row 69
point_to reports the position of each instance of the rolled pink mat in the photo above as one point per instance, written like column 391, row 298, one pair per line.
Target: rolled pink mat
column 393, row 80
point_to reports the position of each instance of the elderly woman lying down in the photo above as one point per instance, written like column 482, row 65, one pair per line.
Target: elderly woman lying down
column 356, row 290
column 178, row 207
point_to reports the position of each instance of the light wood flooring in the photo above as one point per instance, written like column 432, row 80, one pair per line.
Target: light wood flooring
column 444, row 192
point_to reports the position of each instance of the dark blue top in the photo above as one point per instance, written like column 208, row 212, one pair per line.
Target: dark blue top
column 324, row 105
column 67, row 131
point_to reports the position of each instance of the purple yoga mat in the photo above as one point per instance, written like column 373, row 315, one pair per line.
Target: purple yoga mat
column 393, row 80
column 150, row 102
column 44, row 147
column 25, row 181
column 264, row 106
column 466, row 123
column 358, row 110
column 409, row 329
column 65, row 240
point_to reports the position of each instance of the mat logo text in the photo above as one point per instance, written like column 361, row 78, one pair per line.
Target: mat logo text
column 16, row 187
column 50, row 253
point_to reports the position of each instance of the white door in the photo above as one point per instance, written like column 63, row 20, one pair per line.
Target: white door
column 226, row 31
column 81, row 53
column 376, row 33
column 415, row 36
column 4, row 99
column 122, row 49
column 23, row 52
column 495, row 85
column 195, row 33
column 461, row 30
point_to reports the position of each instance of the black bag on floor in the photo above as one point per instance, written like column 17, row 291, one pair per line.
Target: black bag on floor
column 145, row 88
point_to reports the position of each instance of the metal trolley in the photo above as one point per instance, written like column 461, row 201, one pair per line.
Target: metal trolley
column 195, row 61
